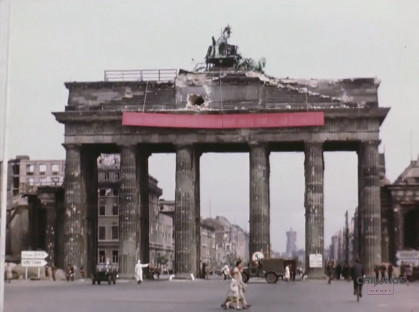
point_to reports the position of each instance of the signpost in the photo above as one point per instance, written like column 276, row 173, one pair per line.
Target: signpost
column 31, row 258
column 33, row 254
column 33, row 263
column 407, row 257
column 315, row 260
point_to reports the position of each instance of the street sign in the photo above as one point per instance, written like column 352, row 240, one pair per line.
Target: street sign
column 413, row 262
column 33, row 254
column 407, row 254
column 315, row 260
column 33, row 262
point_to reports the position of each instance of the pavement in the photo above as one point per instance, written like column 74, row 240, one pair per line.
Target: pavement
column 202, row 295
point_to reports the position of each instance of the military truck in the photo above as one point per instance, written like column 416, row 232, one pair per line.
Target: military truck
column 269, row 268
column 105, row 272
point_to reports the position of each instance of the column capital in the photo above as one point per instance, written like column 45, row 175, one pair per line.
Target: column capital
column 124, row 145
column 257, row 144
column 373, row 143
column 71, row 146
column 184, row 146
column 313, row 144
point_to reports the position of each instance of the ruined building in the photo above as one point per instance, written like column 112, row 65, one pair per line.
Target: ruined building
column 34, row 205
column 161, row 243
column 222, row 107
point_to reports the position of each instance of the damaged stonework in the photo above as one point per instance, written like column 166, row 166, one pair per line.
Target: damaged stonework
column 94, row 118
column 196, row 101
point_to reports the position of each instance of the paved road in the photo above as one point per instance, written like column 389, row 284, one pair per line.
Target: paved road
column 200, row 295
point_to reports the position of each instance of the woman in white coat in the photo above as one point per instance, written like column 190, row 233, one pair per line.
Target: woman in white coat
column 139, row 271
column 287, row 273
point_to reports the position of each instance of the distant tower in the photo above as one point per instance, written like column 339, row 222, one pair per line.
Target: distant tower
column 291, row 243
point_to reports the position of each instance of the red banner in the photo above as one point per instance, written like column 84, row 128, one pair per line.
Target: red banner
column 223, row 121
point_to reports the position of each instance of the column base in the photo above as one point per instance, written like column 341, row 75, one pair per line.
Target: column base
column 126, row 276
column 315, row 273
column 183, row 276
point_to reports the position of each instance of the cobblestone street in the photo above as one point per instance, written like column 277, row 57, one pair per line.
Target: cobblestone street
column 200, row 295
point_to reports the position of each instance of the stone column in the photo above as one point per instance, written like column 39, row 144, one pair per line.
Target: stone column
column 187, row 213
column 48, row 202
column 369, row 205
column 89, row 157
column 314, row 207
column 129, row 213
column 259, row 213
column 74, row 250
column 398, row 228
column 143, row 224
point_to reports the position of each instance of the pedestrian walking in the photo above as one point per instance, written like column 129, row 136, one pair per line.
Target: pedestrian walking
column 287, row 275
column 383, row 271
column 69, row 273
column 408, row 273
column 329, row 272
column 53, row 271
column 345, row 271
column 139, row 271
column 9, row 273
column 390, row 271
column 226, row 271
column 338, row 271
column 377, row 273
column 242, row 285
column 233, row 293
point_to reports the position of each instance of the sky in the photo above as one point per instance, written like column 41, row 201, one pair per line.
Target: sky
column 52, row 42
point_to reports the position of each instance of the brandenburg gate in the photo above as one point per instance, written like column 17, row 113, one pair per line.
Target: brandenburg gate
column 222, row 108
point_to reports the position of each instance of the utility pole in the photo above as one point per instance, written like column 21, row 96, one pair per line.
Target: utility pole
column 346, row 238
column 7, row 5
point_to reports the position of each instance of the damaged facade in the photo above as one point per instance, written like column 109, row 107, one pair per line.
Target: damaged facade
column 161, row 243
column 94, row 117
column 35, row 202
column 399, row 203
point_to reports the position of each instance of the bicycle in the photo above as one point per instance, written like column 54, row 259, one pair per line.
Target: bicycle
column 358, row 290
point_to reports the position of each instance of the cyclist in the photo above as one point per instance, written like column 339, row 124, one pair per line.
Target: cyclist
column 357, row 277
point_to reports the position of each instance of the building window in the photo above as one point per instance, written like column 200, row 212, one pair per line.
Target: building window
column 30, row 169
column 106, row 175
column 16, row 169
column 114, row 232
column 115, row 192
column 102, row 210
column 115, row 209
column 30, row 181
column 114, row 255
column 55, row 168
column 102, row 192
column 43, row 181
column 117, row 175
column 42, row 169
column 102, row 232
column 101, row 256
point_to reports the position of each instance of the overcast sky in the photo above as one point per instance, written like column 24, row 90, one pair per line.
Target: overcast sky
column 57, row 41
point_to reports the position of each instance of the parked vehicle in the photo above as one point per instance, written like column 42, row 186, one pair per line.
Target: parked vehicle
column 105, row 272
column 269, row 268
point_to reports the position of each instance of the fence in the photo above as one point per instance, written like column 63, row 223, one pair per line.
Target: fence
column 141, row 75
